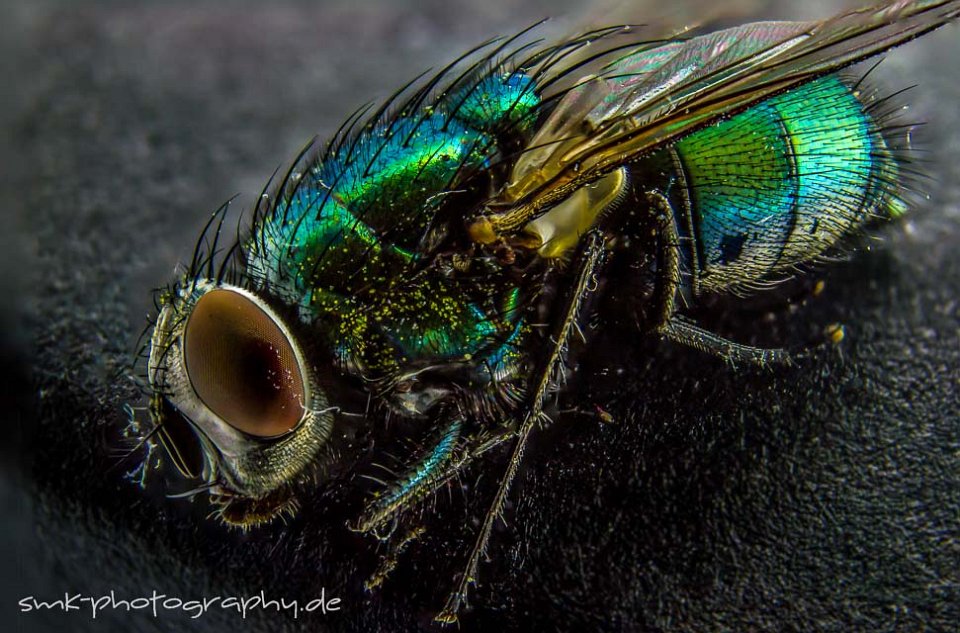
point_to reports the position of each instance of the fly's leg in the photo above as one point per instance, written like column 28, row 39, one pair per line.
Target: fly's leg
column 389, row 561
column 591, row 258
column 386, row 508
column 427, row 473
column 680, row 330
column 421, row 479
column 673, row 326
column 668, row 258
column 378, row 514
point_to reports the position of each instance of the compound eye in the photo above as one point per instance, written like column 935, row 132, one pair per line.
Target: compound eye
column 242, row 365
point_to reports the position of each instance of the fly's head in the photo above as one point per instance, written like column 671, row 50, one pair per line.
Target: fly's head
column 235, row 401
column 256, row 401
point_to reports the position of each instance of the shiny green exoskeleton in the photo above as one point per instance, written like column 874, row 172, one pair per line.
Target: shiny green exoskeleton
column 431, row 262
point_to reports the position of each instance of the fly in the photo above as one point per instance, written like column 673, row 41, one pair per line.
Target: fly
column 432, row 265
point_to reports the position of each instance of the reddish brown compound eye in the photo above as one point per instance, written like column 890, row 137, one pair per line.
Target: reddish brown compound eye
column 242, row 365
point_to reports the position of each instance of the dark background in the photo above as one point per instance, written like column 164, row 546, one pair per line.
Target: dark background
column 819, row 497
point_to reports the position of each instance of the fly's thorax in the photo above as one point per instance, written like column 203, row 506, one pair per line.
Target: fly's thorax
column 347, row 240
column 360, row 211
column 414, row 342
column 225, row 363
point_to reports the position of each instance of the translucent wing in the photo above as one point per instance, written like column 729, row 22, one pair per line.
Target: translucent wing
column 651, row 97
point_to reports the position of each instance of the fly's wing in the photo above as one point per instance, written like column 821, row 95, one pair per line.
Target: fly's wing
column 655, row 96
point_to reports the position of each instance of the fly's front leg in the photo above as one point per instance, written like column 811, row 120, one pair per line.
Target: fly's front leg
column 389, row 560
column 673, row 326
column 422, row 477
column 591, row 257
column 434, row 468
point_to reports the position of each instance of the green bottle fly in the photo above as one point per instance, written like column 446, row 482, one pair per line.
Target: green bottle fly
column 431, row 264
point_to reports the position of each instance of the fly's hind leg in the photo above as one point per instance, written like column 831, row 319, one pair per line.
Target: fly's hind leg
column 673, row 326
column 684, row 332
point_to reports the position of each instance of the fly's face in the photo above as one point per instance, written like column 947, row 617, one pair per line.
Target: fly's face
column 235, row 399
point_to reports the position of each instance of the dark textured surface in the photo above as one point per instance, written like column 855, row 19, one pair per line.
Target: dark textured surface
column 824, row 496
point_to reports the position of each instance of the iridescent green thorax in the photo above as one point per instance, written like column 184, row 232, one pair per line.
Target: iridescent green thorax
column 395, row 179
column 499, row 102
column 783, row 182
column 402, row 323
column 340, row 245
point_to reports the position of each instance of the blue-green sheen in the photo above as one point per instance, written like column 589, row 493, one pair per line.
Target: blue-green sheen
column 782, row 182
column 391, row 179
column 334, row 245
column 499, row 99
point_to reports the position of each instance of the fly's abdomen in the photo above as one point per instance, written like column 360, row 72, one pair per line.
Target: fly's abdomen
column 781, row 183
